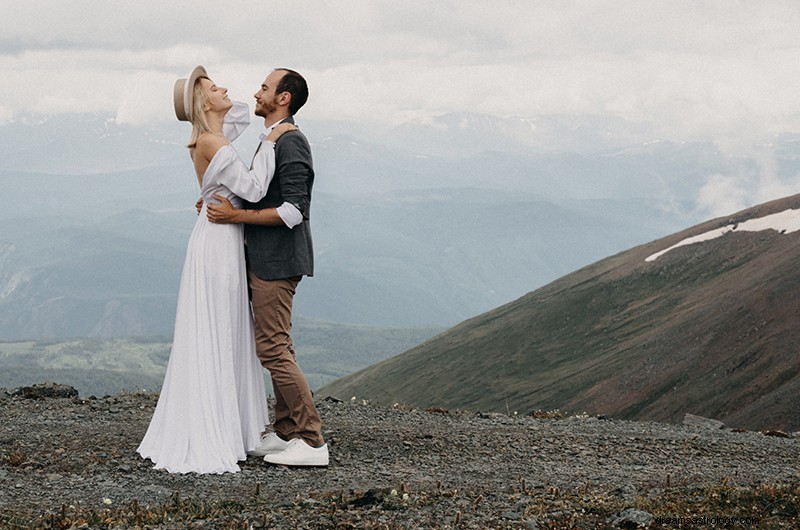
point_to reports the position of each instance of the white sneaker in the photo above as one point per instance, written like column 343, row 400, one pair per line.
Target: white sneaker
column 270, row 443
column 299, row 453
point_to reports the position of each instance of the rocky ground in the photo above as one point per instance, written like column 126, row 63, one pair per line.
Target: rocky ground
column 70, row 462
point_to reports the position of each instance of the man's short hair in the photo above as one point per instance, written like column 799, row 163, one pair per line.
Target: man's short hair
column 294, row 84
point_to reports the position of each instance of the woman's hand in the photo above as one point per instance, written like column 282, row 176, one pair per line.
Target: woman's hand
column 279, row 130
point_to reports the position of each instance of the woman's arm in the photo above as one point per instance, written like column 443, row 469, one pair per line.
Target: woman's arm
column 236, row 120
column 251, row 184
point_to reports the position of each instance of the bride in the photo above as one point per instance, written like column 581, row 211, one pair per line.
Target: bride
column 213, row 406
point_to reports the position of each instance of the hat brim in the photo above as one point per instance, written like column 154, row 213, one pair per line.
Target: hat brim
column 183, row 94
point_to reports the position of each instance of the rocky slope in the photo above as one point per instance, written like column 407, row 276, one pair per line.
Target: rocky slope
column 67, row 462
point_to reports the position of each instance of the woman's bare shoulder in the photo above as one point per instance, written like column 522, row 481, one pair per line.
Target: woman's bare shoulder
column 208, row 144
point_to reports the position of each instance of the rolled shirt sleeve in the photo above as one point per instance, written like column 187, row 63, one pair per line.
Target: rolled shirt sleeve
column 290, row 215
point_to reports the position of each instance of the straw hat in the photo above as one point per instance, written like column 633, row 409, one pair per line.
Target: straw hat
column 183, row 94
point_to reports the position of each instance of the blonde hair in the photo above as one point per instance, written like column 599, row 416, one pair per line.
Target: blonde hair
column 199, row 120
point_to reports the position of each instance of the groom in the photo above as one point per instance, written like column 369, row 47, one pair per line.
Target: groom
column 279, row 254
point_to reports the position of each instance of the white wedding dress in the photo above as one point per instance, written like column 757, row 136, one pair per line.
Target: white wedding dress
column 213, row 405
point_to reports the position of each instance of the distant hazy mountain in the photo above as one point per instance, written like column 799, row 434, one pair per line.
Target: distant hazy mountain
column 83, row 144
column 552, row 157
column 97, row 214
column 462, row 134
column 662, row 170
column 708, row 328
column 401, row 259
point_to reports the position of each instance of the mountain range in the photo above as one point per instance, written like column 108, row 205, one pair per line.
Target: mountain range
column 97, row 215
column 708, row 328
column 428, row 225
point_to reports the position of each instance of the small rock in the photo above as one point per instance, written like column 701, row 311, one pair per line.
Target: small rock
column 631, row 518
column 371, row 496
column 778, row 434
column 699, row 421
column 46, row 390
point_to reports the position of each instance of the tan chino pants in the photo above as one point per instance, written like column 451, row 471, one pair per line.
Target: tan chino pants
column 295, row 413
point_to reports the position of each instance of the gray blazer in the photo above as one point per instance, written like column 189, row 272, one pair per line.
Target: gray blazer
column 279, row 252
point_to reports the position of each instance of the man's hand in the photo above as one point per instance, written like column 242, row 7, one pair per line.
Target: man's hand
column 199, row 205
column 222, row 213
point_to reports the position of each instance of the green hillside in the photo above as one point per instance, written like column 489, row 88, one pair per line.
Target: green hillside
column 709, row 329
column 106, row 366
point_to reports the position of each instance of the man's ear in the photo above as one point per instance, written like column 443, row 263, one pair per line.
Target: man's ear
column 284, row 98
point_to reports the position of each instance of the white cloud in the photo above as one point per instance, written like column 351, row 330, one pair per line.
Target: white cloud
column 723, row 195
column 6, row 115
column 727, row 194
column 693, row 69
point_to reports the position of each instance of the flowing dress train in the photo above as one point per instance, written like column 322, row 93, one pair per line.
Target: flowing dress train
column 212, row 407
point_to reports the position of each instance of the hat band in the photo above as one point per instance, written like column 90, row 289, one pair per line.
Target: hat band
column 186, row 108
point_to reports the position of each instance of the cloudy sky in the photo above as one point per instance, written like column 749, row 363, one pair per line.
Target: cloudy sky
column 720, row 69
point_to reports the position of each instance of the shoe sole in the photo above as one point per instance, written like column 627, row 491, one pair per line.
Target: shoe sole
column 263, row 453
column 295, row 465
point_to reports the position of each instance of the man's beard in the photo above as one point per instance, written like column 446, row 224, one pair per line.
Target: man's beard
column 266, row 109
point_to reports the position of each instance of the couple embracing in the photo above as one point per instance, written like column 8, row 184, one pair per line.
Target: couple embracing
column 249, row 249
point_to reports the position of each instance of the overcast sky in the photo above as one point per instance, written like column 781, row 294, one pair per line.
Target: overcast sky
column 720, row 69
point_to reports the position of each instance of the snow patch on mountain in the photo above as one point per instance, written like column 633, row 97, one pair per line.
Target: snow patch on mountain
column 784, row 222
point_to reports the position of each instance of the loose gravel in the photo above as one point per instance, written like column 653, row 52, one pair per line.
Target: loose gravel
column 71, row 461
